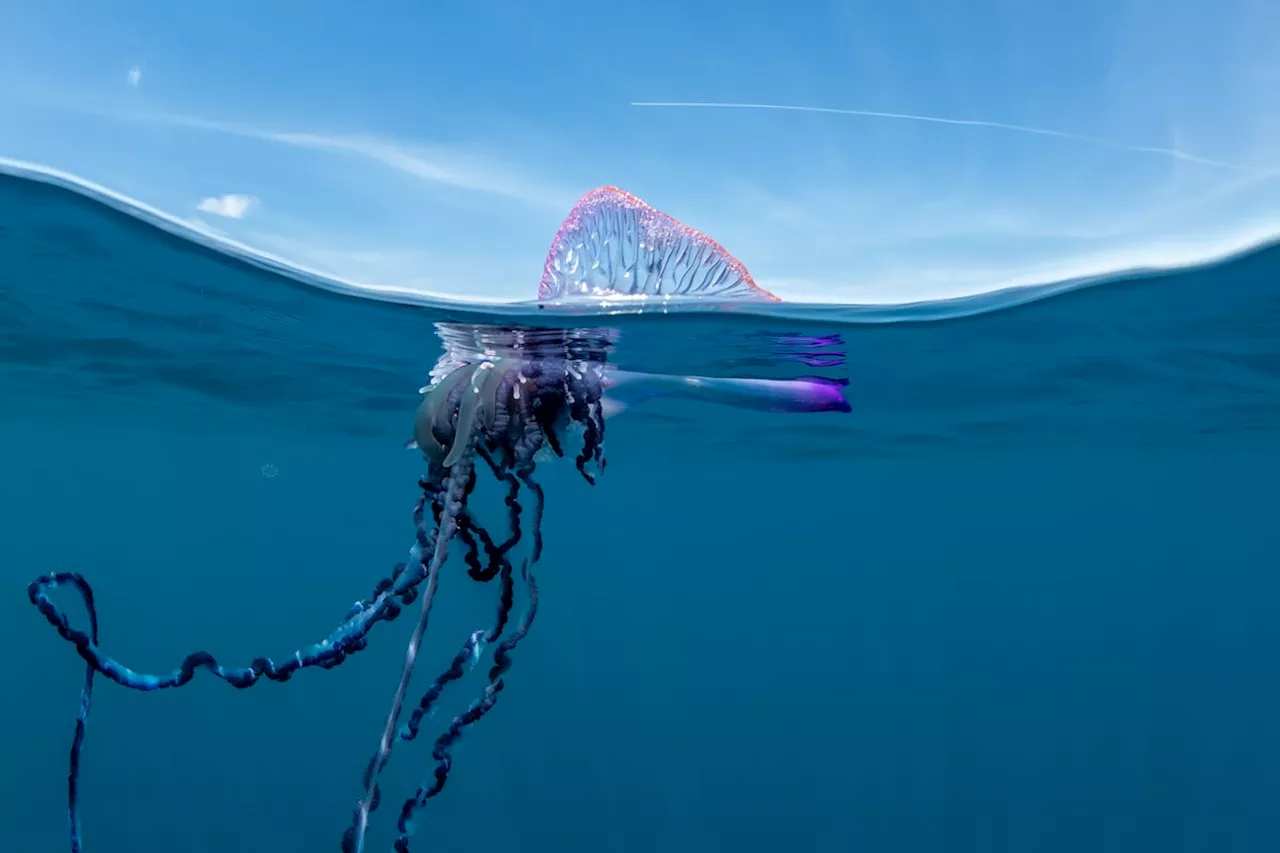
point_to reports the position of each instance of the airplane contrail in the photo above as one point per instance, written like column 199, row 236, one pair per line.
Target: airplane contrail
column 996, row 125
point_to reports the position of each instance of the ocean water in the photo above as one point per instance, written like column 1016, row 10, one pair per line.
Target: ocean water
column 1023, row 597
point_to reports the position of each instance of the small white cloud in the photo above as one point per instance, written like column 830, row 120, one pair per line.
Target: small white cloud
column 134, row 76
column 232, row 206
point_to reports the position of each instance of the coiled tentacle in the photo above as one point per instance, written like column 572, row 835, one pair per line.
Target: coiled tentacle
column 457, row 668
column 86, row 699
column 502, row 409
column 351, row 636
column 346, row 639
column 525, row 450
column 473, row 714
column 353, row 839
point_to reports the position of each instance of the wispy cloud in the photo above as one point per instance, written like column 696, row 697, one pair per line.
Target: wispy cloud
column 134, row 76
column 232, row 206
column 898, row 216
column 1174, row 153
column 437, row 164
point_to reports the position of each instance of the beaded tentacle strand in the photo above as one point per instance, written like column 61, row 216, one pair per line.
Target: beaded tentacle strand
column 389, row 596
column 502, row 410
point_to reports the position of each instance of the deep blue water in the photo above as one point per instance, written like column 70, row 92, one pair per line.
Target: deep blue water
column 1022, row 598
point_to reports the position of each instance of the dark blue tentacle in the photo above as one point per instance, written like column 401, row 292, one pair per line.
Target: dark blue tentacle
column 478, row 709
column 35, row 591
column 587, row 408
column 499, row 566
column 511, row 499
column 476, row 570
column 347, row 638
column 471, row 649
column 525, row 451
column 524, row 454
column 457, row 668
column 505, row 602
column 472, row 535
column 457, row 483
column 385, row 604
column 526, row 476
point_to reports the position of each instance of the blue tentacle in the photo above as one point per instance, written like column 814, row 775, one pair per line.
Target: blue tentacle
column 473, row 714
column 348, row 638
column 454, row 495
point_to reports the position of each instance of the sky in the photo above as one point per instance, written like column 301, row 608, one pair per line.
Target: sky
column 846, row 152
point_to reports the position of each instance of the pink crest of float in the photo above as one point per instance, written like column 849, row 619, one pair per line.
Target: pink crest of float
column 613, row 244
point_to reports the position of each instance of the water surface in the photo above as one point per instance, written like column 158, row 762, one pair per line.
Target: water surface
column 1022, row 597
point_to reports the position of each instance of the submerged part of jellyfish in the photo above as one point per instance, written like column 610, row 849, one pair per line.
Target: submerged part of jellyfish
column 500, row 399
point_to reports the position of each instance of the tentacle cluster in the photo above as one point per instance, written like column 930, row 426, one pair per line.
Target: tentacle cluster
column 504, row 411
column 501, row 411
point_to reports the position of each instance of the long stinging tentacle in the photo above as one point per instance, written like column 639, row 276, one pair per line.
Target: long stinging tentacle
column 457, row 668
column 504, row 409
column 526, row 449
column 512, row 498
column 347, row 638
column 353, row 840
column 472, row 648
column 86, row 700
column 477, row 414
column 473, row 714
column 522, row 454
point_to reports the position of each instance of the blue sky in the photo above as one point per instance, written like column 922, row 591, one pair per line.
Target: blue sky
column 438, row 145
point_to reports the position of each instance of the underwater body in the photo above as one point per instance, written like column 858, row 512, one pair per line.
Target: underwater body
column 1011, row 587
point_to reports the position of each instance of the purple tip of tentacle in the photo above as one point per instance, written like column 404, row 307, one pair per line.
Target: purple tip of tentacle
column 613, row 244
column 821, row 394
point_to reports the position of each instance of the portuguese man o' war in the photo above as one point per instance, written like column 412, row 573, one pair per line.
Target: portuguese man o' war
column 500, row 401
column 613, row 245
